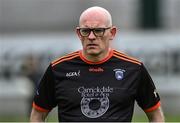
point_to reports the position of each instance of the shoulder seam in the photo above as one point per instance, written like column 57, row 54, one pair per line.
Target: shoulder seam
column 65, row 58
column 68, row 55
column 139, row 63
column 124, row 56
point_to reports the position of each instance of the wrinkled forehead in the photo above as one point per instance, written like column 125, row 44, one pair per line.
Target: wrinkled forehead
column 95, row 17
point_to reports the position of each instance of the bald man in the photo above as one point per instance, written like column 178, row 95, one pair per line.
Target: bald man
column 96, row 83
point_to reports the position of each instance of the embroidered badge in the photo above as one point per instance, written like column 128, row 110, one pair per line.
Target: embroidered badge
column 119, row 73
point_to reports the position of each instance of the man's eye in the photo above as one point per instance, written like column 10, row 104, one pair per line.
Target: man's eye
column 98, row 30
column 85, row 30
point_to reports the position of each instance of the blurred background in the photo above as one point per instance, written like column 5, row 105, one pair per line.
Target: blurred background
column 35, row 32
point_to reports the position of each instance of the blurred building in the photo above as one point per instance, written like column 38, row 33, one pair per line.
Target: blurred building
column 63, row 15
column 43, row 29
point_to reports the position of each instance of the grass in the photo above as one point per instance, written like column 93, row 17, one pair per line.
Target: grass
column 139, row 118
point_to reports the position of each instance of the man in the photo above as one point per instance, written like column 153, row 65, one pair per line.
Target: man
column 96, row 83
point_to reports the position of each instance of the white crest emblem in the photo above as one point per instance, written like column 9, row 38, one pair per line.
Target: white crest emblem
column 119, row 74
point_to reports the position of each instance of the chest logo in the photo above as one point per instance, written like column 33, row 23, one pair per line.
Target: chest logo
column 97, row 70
column 119, row 73
column 74, row 73
column 95, row 101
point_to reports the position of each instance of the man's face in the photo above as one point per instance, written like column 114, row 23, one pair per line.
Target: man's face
column 92, row 43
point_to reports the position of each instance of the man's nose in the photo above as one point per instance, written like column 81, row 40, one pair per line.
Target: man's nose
column 91, row 35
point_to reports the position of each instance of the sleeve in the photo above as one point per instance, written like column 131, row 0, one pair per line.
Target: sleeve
column 147, row 97
column 44, row 99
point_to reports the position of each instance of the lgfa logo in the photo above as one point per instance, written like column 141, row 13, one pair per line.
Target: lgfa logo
column 119, row 73
column 74, row 73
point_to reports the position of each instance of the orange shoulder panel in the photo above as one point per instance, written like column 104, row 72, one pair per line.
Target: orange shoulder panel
column 125, row 57
column 65, row 58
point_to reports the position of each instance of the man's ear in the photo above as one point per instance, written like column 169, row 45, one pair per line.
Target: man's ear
column 113, row 32
column 78, row 33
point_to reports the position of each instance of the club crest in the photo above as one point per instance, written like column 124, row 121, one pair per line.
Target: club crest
column 119, row 74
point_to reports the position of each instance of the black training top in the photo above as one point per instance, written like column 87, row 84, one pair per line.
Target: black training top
column 96, row 91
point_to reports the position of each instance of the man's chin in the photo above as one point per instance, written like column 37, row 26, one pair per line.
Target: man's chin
column 93, row 52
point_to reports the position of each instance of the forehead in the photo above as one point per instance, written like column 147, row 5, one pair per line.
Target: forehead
column 94, row 19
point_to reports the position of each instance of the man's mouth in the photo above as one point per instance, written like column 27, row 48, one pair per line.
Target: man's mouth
column 92, row 45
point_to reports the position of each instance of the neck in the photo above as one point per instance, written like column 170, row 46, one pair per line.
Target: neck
column 96, row 57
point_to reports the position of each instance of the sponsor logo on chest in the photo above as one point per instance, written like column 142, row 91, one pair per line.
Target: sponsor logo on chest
column 95, row 100
column 96, row 69
column 73, row 73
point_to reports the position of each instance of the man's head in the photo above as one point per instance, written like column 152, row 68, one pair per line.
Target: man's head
column 99, row 13
column 95, row 31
